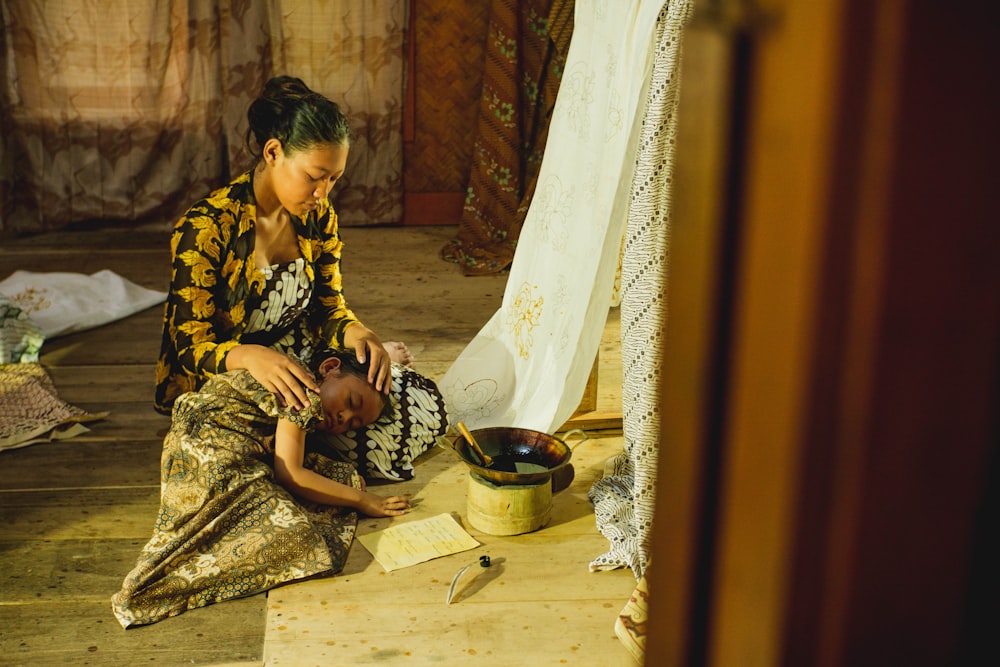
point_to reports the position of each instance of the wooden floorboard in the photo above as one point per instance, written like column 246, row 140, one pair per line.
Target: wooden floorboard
column 74, row 514
column 83, row 461
column 69, row 632
column 78, row 570
column 537, row 604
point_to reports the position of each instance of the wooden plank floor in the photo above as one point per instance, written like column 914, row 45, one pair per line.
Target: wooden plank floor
column 74, row 514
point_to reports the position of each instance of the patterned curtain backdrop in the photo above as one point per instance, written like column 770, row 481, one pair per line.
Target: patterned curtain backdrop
column 127, row 112
column 352, row 52
column 106, row 109
column 526, row 50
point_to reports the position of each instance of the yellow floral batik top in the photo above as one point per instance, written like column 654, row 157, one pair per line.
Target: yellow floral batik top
column 215, row 285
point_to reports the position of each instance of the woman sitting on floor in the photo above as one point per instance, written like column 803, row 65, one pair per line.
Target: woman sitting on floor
column 256, row 282
column 243, row 507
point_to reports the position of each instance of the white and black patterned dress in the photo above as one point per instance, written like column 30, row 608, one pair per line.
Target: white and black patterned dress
column 277, row 320
column 383, row 450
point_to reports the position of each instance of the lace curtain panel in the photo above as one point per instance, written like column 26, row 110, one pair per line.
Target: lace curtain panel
column 125, row 112
column 624, row 498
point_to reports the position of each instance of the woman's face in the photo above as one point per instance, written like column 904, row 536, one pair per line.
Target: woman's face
column 349, row 402
column 302, row 178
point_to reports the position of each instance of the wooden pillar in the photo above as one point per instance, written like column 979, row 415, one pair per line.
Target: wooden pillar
column 825, row 496
column 587, row 415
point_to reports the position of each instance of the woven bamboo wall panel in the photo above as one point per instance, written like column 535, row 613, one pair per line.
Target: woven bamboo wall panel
column 449, row 43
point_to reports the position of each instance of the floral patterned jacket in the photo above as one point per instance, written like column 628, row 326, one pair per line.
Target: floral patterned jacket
column 214, row 281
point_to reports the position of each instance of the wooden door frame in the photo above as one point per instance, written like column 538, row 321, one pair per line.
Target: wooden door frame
column 829, row 414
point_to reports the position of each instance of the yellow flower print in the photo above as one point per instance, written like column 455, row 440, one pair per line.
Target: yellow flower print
column 232, row 270
column 523, row 316
column 331, row 301
column 228, row 208
column 197, row 330
column 179, row 384
column 200, row 300
column 207, row 239
column 199, row 353
column 310, row 248
column 332, row 245
column 331, row 221
column 255, row 279
column 202, row 272
column 327, row 272
column 162, row 372
column 246, row 220
column 238, row 313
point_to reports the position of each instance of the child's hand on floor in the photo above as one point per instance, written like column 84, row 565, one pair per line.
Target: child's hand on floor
column 373, row 505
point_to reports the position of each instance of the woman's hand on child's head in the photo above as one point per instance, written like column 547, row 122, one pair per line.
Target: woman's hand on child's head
column 278, row 373
column 367, row 346
column 377, row 506
column 380, row 368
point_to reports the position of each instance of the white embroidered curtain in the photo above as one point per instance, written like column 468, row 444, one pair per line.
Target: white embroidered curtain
column 529, row 365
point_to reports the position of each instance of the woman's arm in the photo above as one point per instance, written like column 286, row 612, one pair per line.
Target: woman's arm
column 289, row 453
column 329, row 313
column 338, row 324
column 200, row 341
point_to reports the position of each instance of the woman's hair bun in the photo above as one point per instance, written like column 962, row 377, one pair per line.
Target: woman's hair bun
column 300, row 118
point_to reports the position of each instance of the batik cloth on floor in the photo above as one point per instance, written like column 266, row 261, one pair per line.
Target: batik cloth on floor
column 61, row 303
column 20, row 337
column 526, row 48
column 31, row 410
column 225, row 527
column 623, row 499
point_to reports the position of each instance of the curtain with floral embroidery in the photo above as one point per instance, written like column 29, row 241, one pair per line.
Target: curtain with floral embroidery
column 529, row 364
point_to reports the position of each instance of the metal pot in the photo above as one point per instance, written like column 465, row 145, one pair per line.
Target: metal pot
column 520, row 455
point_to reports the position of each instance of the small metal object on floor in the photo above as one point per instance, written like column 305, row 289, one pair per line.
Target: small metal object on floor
column 484, row 561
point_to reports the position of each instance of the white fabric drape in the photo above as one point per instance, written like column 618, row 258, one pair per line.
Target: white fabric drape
column 529, row 365
column 623, row 499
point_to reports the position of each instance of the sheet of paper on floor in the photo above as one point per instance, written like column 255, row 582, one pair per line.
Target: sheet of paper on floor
column 413, row 542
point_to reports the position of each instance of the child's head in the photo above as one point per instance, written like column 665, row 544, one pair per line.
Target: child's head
column 349, row 400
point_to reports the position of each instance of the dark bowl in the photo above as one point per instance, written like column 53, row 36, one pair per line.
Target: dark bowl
column 520, row 455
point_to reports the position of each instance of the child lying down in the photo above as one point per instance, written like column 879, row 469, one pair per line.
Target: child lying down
column 243, row 507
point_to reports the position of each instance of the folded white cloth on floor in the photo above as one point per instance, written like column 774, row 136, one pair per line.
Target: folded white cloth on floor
column 62, row 303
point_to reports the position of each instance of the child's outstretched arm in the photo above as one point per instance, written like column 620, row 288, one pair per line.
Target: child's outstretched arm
column 289, row 453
